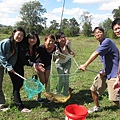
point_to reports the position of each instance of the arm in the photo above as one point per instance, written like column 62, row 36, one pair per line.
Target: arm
column 5, row 54
column 68, row 45
column 116, row 85
column 92, row 57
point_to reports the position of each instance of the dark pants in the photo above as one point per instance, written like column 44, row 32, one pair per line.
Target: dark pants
column 17, row 84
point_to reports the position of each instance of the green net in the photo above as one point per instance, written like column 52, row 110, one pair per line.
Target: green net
column 60, row 83
column 33, row 87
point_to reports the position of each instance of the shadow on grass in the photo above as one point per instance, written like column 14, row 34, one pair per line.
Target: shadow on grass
column 112, row 108
column 81, row 97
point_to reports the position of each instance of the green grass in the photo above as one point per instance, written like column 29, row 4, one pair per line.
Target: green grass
column 3, row 36
column 80, row 82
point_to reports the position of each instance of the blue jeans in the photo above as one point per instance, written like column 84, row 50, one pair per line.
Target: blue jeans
column 63, row 70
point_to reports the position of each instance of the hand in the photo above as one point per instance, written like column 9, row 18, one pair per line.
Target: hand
column 12, row 71
column 39, row 67
column 68, row 43
column 82, row 67
column 72, row 53
column 116, row 85
column 102, row 74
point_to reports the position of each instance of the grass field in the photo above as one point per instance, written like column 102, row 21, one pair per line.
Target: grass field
column 80, row 82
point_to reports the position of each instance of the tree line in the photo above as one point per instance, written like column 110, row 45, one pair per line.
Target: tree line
column 32, row 12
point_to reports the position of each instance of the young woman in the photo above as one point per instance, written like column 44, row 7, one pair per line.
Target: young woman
column 63, row 62
column 12, row 57
column 45, row 56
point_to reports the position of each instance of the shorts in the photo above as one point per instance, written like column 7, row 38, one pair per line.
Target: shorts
column 99, row 86
column 112, row 93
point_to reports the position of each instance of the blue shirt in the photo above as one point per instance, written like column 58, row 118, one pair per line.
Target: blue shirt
column 7, row 60
column 109, row 54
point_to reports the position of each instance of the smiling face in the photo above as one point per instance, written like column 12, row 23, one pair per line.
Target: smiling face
column 18, row 36
column 99, row 35
column 116, row 29
column 62, row 40
column 32, row 40
column 49, row 43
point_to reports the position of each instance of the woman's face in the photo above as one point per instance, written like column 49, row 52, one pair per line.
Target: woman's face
column 62, row 39
column 49, row 43
column 99, row 35
column 32, row 41
column 18, row 36
column 116, row 29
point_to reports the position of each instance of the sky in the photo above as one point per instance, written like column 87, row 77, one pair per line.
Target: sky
column 99, row 9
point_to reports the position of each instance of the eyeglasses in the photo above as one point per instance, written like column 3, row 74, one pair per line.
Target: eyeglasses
column 62, row 37
column 116, row 29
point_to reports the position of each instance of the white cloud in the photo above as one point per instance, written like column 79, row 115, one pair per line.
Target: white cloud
column 9, row 11
column 68, row 13
column 110, row 5
column 5, row 19
column 97, row 19
column 10, row 6
column 90, row 1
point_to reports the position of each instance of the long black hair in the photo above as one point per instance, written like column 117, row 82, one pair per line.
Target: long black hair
column 12, row 41
column 32, row 35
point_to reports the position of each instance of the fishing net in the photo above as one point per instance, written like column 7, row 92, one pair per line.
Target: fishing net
column 32, row 86
column 60, row 83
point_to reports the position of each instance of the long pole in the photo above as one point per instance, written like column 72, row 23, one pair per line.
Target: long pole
column 62, row 15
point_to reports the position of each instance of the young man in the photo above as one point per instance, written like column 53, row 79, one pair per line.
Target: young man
column 109, row 55
column 116, row 29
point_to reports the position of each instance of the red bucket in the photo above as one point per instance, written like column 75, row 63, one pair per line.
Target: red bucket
column 75, row 112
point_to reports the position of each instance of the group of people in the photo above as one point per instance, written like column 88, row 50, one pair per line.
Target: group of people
column 109, row 77
column 20, row 50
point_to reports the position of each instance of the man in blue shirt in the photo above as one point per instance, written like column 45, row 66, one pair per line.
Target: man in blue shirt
column 109, row 55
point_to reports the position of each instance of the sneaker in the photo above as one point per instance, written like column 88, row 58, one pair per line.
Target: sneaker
column 48, row 101
column 40, row 100
column 3, row 107
column 26, row 110
column 94, row 109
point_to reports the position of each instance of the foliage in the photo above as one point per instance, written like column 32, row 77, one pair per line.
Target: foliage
column 5, row 29
column 73, row 27
column 116, row 13
column 86, row 23
column 106, row 24
column 87, row 29
column 69, row 27
column 31, row 15
column 4, row 36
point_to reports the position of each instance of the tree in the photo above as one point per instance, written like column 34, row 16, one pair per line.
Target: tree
column 31, row 15
column 74, row 27
column 86, row 23
column 116, row 13
column 106, row 24
column 70, row 27
column 53, row 27
column 65, row 23
column 87, row 29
